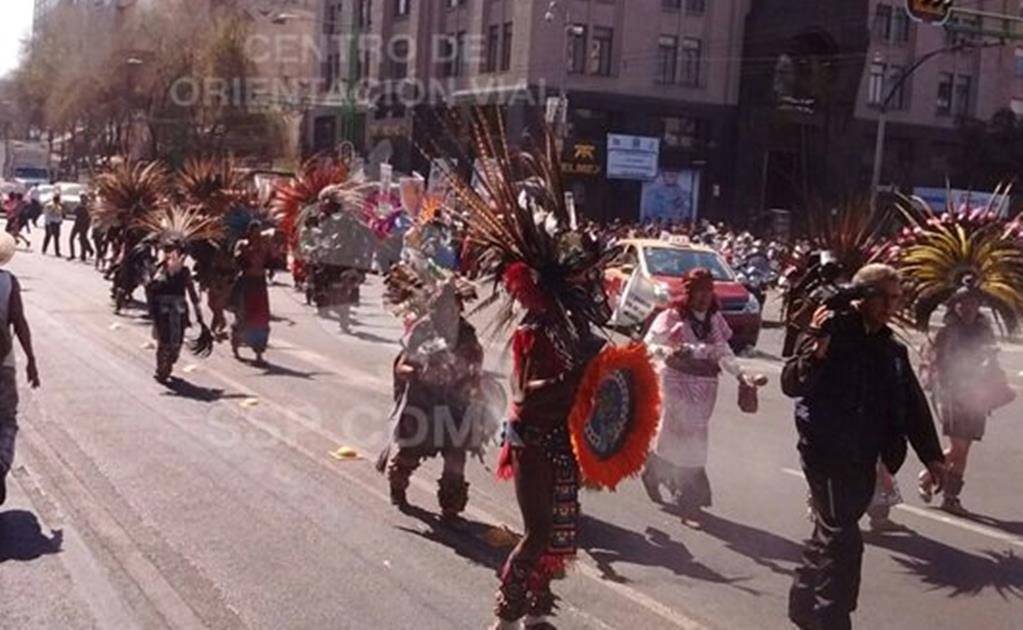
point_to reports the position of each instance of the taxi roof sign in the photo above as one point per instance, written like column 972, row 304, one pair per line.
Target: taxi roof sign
column 929, row 11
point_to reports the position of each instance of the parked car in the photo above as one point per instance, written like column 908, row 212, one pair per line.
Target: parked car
column 42, row 192
column 660, row 266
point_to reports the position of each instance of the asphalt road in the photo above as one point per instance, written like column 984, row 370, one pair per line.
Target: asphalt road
column 219, row 504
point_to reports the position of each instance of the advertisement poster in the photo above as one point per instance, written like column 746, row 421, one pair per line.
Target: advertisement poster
column 672, row 196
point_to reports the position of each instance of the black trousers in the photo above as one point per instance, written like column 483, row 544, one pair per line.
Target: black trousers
column 52, row 234
column 827, row 582
column 83, row 240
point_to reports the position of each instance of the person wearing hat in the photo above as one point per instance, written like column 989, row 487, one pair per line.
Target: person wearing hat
column 12, row 315
column 963, row 357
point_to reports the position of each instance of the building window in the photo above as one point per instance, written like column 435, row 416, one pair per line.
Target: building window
column 875, row 84
column 506, row 46
column 900, row 26
column 692, row 54
column 603, row 40
column 673, row 5
column 576, row 49
column 459, row 53
column 448, row 56
column 363, row 13
column 899, row 96
column 945, row 93
column 400, row 58
column 1019, row 63
column 493, row 48
column 401, row 7
column 684, row 132
column 963, row 95
column 883, row 22
column 667, row 58
column 696, row 7
column 456, row 3
column 330, row 20
column 1016, row 105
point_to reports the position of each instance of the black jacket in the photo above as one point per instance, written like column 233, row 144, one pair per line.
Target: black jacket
column 860, row 402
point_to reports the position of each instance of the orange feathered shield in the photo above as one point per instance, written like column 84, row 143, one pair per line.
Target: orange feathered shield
column 615, row 416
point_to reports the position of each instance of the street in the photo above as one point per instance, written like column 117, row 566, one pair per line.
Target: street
column 220, row 504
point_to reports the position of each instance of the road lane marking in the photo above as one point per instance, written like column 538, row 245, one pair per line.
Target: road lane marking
column 947, row 519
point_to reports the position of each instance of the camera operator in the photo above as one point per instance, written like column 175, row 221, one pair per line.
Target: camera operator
column 858, row 400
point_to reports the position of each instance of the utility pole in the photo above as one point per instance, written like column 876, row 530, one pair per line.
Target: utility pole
column 882, row 116
column 560, row 117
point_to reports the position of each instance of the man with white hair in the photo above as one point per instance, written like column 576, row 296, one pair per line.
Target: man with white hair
column 12, row 314
column 858, row 400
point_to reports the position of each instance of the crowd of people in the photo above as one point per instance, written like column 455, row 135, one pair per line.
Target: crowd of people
column 858, row 400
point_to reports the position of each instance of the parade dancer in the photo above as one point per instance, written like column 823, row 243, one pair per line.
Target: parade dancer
column 965, row 259
column 251, row 298
column 174, row 230
column 963, row 370
column 691, row 336
column 435, row 390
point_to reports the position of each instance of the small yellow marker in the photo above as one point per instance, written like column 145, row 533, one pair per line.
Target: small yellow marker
column 149, row 345
column 114, row 326
column 344, row 453
column 249, row 402
column 188, row 369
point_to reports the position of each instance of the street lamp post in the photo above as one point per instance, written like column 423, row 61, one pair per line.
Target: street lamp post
column 557, row 9
column 882, row 117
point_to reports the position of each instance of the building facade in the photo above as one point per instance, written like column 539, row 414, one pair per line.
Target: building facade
column 662, row 69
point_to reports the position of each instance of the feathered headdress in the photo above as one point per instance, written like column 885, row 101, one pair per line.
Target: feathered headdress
column 941, row 255
column 290, row 198
column 127, row 192
column 180, row 226
column 210, row 184
column 556, row 273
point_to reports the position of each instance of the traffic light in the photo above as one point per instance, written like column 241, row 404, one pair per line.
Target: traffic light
column 930, row 11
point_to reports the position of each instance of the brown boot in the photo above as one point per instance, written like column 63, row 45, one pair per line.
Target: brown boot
column 512, row 600
column 452, row 495
column 399, row 471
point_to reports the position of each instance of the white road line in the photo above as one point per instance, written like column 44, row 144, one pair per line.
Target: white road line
column 947, row 519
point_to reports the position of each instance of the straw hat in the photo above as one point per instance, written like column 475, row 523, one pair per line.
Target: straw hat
column 7, row 248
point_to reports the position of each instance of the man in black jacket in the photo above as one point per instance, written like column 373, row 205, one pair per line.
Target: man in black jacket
column 858, row 400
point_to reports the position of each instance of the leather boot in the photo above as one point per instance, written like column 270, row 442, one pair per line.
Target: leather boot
column 398, row 474
column 452, row 495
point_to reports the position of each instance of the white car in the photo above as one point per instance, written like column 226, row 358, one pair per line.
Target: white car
column 70, row 194
column 43, row 193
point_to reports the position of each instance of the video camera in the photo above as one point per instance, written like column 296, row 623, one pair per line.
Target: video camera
column 841, row 300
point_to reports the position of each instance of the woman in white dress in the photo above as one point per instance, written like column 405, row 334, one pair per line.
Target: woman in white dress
column 691, row 337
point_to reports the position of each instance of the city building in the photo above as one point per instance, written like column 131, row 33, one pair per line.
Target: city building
column 813, row 81
column 656, row 73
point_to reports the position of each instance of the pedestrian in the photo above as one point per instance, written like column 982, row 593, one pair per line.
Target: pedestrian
column 250, row 296
column 54, row 218
column 963, row 358
column 35, row 209
column 692, row 336
column 80, row 230
column 858, row 401
column 12, row 315
column 14, row 210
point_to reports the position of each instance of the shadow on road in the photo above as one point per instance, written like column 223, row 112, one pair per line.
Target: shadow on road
column 609, row 544
column 467, row 540
column 1010, row 527
column 184, row 389
column 22, row 538
column 273, row 369
column 763, row 548
column 371, row 338
column 942, row 567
